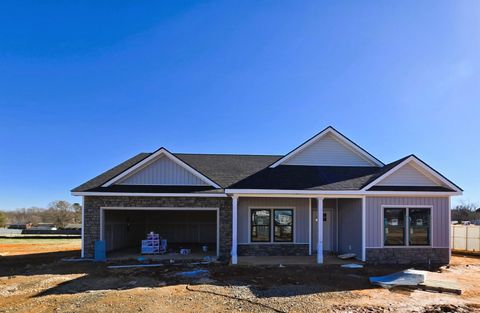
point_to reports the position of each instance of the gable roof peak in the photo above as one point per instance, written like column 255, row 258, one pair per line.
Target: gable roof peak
column 341, row 138
column 162, row 151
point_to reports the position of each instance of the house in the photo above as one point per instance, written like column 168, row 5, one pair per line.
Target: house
column 268, row 205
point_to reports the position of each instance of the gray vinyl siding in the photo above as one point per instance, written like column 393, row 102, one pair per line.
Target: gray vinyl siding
column 350, row 225
column 440, row 218
column 328, row 151
column 163, row 171
column 301, row 218
column 408, row 175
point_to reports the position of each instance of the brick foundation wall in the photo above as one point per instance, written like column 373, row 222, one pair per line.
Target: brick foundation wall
column 408, row 255
column 272, row 249
column 92, row 205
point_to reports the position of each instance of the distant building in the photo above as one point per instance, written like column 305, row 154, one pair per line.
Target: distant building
column 20, row 226
column 73, row 226
column 44, row 226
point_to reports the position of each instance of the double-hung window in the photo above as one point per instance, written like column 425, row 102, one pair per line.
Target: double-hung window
column 260, row 225
column 266, row 224
column 406, row 226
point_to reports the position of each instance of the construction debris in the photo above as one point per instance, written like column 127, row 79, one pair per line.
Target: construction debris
column 194, row 273
column 408, row 277
column 346, row 256
column 134, row 265
column 440, row 286
column 352, row 265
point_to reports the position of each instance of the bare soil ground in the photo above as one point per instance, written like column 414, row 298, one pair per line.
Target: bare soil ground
column 42, row 283
column 31, row 246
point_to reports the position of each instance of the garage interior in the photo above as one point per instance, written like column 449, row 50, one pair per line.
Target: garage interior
column 124, row 231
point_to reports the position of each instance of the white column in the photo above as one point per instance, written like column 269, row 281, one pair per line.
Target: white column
column 83, row 228
column 450, row 230
column 234, row 228
column 320, row 231
column 364, row 229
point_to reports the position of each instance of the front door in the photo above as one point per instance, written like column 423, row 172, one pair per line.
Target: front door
column 327, row 230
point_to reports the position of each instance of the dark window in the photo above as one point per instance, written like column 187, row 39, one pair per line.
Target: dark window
column 419, row 227
column 394, row 227
column 283, row 221
column 260, row 225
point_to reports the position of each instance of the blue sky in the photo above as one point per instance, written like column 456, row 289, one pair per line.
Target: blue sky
column 85, row 85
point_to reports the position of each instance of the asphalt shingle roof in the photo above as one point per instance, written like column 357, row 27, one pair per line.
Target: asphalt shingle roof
column 253, row 172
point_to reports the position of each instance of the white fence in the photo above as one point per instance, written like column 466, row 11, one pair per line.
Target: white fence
column 465, row 238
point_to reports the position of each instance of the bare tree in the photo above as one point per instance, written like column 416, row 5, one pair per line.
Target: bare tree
column 3, row 219
column 61, row 212
column 77, row 209
column 466, row 211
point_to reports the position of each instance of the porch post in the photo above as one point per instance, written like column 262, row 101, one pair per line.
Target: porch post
column 320, row 230
column 364, row 212
column 234, row 229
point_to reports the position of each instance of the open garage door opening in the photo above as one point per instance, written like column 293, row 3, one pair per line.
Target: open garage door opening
column 123, row 230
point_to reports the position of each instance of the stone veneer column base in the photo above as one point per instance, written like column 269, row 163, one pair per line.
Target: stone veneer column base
column 272, row 249
column 408, row 255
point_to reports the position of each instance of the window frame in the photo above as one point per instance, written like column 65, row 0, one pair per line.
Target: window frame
column 272, row 226
column 275, row 225
column 269, row 225
column 407, row 225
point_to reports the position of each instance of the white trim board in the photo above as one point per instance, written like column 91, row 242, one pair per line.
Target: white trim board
column 277, row 194
column 156, row 194
column 334, row 193
column 82, row 254
column 341, row 138
column 417, row 163
column 160, row 152
column 102, row 217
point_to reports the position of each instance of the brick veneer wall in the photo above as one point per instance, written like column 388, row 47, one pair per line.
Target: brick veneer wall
column 408, row 255
column 272, row 249
column 92, row 205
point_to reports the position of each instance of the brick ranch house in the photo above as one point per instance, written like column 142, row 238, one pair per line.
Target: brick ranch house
column 268, row 205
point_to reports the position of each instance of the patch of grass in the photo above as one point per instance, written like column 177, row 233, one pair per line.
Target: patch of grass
column 40, row 241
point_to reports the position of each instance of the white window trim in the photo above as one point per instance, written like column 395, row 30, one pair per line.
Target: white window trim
column 102, row 217
column 341, row 138
column 154, row 156
column 272, row 226
column 407, row 233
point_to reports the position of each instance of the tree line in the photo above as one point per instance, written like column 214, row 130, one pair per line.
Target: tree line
column 466, row 211
column 58, row 212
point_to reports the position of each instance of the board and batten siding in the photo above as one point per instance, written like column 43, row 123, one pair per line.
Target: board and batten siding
column 408, row 175
column 328, row 151
column 440, row 218
column 301, row 218
column 162, row 171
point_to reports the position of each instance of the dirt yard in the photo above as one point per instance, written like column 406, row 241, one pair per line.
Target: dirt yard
column 43, row 283
column 13, row 246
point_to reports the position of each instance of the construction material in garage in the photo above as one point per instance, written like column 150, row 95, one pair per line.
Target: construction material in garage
column 129, row 233
column 153, row 244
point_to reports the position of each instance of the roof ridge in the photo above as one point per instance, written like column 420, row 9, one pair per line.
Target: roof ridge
column 232, row 154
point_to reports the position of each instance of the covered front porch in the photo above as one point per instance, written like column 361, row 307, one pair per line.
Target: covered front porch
column 286, row 229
